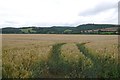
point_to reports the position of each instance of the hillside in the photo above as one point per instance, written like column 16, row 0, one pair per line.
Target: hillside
column 81, row 29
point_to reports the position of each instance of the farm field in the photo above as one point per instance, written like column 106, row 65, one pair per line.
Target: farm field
column 59, row 56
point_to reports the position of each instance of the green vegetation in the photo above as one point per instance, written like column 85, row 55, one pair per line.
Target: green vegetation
column 81, row 29
column 28, row 30
column 67, row 31
column 109, row 33
column 90, row 66
column 59, row 59
column 54, row 67
column 104, row 67
column 55, row 63
column 94, row 26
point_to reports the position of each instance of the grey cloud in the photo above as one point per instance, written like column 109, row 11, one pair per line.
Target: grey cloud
column 99, row 8
column 119, row 13
column 10, row 22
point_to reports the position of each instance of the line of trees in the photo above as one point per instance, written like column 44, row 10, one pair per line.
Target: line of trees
column 81, row 29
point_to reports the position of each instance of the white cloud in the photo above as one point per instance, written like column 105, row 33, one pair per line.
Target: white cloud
column 17, row 13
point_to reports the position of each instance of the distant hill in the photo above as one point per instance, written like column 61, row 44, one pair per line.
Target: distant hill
column 95, row 26
column 81, row 29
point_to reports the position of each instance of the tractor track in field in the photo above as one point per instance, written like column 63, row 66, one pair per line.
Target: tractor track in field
column 82, row 48
column 55, row 63
column 56, row 67
column 96, row 68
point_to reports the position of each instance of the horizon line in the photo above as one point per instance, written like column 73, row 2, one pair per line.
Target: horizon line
column 59, row 25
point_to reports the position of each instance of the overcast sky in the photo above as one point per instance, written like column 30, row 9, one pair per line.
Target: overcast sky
column 20, row 13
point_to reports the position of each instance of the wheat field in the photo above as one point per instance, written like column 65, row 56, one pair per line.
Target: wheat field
column 59, row 56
